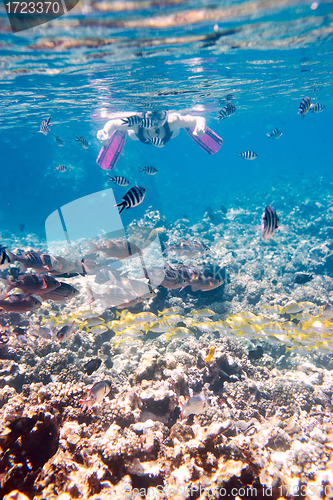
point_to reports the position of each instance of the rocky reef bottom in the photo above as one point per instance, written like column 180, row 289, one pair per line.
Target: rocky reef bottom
column 266, row 430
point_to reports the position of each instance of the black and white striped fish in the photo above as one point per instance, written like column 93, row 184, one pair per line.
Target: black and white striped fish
column 148, row 170
column 226, row 111
column 45, row 126
column 130, row 121
column 132, row 198
column 59, row 141
column 147, row 123
column 269, row 223
column 82, row 142
column 120, row 181
column 317, row 108
column 276, row 134
column 304, row 106
column 155, row 141
column 248, row 155
column 61, row 168
column 4, row 259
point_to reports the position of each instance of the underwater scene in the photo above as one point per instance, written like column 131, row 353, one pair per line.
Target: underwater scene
column 166, row 250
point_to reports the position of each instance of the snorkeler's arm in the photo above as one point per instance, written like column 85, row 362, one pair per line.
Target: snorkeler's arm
column 115, row 123
column 187, row 121
column 109, row 127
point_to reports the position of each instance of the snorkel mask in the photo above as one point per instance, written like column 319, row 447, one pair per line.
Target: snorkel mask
column 158, row 117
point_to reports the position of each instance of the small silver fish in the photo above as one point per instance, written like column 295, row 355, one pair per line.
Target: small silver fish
column 188, row 247
column 196, row 405
column 45, row 126
column 82, row 142
column 40, row 331
column 59, row 141
column 65, row 332
column 96, row 394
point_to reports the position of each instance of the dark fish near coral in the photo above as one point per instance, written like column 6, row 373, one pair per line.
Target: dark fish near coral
column 45, row 126
column 317, row 108
column 96, row 394
column 92, row 365
column 228, row 110
column 132, row 198
column 82, row 142
column 61, row 168
column 223, row 209
column 148, row 170
column 59, row 141
column 119, row 180
column 65, row 332
column 19, row 427
column 36, row 260
column 117, row 249
column 19, row 303
column 4, row 259
column 63, row 292
column 248, row 155
column 131, row 121
column 304, row 106
column 276, row 134
column 32, row 283
column 302, row 278
column 190, row 248
column 256, row 353
column 21, row 227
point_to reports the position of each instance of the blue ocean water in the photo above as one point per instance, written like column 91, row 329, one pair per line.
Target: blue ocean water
column 189, row 57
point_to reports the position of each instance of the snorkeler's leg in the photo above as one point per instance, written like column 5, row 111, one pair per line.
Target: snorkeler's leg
column 109, row 155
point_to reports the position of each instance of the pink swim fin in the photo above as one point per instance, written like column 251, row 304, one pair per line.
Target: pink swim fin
column 209, row 141
column 109, row 155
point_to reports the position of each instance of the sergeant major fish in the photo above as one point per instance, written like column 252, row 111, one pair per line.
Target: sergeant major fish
column 131, row 121
column 82, row 142
column 276, row 134
column 317, row 108
column 228, row 110
column 119, row 180
column 45, row 126
column 248, row 155
column 96, row 394
column 132, row 198
column 147, row 123
column 304, row 106
column 61, row 168
column 155, row 141
column 270, row 223
column 148, row 170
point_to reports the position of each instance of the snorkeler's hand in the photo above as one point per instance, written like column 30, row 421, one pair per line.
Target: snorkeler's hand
column 102, row 135
column 200, row 127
